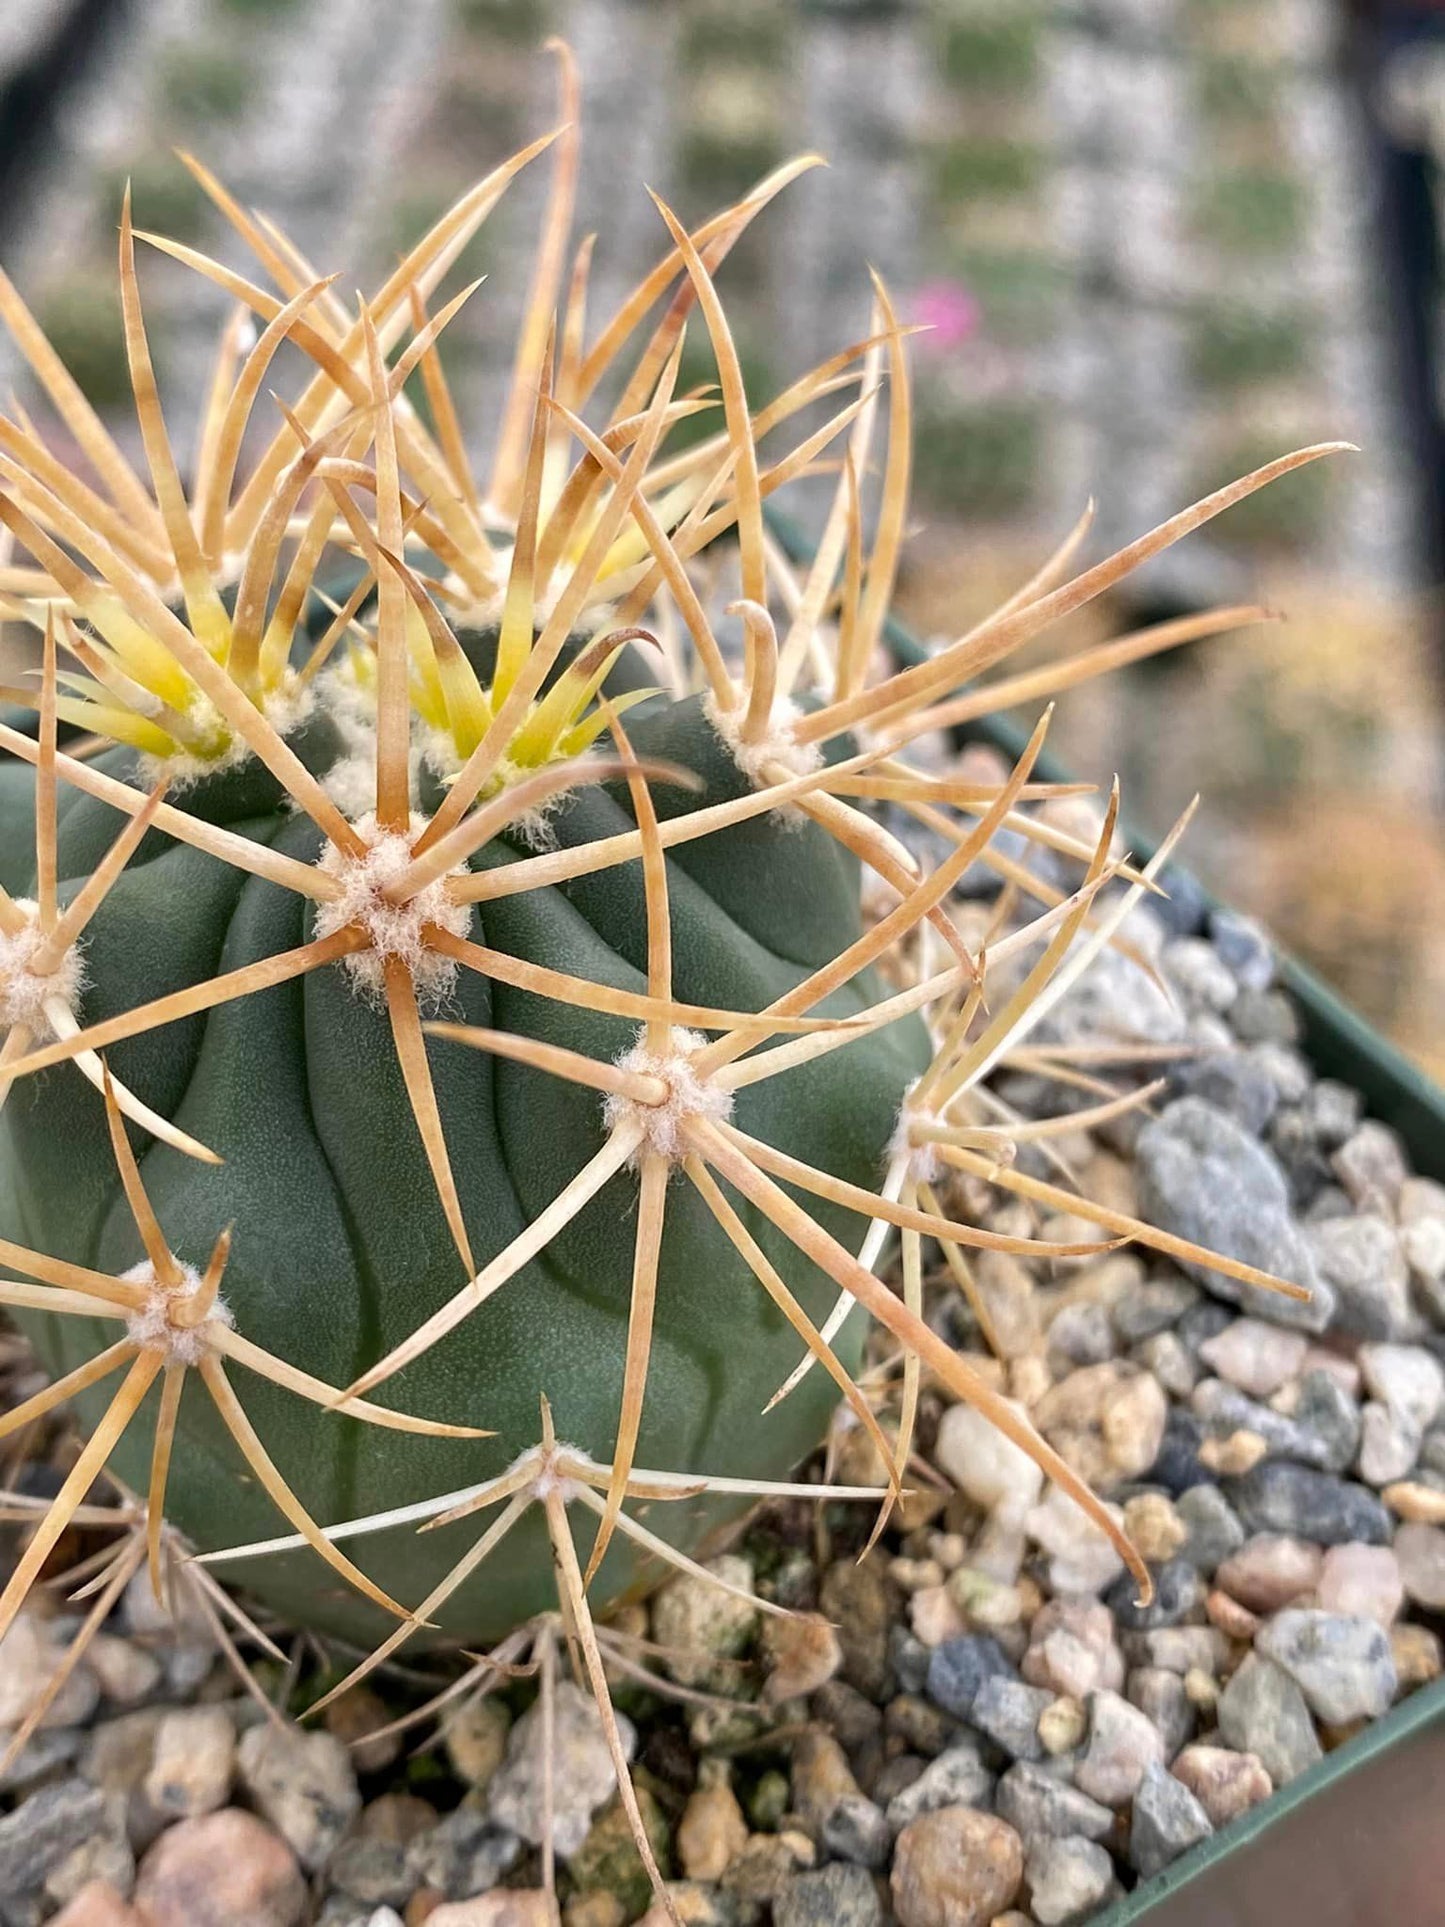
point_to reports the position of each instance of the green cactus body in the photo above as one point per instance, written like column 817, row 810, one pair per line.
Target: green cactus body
column 341, row 1247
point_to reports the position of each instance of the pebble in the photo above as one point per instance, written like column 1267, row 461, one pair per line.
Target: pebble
column 855, row 1597
column 354, row 1717
column 1234, row 1082
column 837, row 1896
column 1417, row 1653
column 1362, row 1581
column 1342, row 1665
column 1262, row 1711
column 957, row 1778
column 1199, row 974
column 1149, row 1306
column 1325, row 1408
column 1081, row 1333
column 1037, row 1804
column 38, row 1835
column 1244, row 947
column 463, row 1854
column 1237, row 1621
column 1204, row 1178
column 1420, row 1504
column 1279, row 1497
column 958, row 1668
column 1406, row 1378
column 1062, row 1725
column 98, row 1904
column 1388, row 1447
column 583, row 1774
column 511, row 1907
column 1162, row 1698
column 935, row 1616
column 1153, row 1523
column 126, row 1673
column 1122, row 1743
column 303, row 1783
column 1178, row 1591
column 1226, row 1410
column 857, row 1830
column 984, row 1465
column 1270, row 1570
column 1165, row 1356
column 1420, row 1552
column 192, row 1761
column 1361, row 1260
column 955, row 1868
column 802, row 1654
column 1166, row 1822
column 1212, row 1525
column 225, row 1869
column 711, row 1832
column 1106, row 1421
column 1226, row 1784
column 1072, row 1649
column 1068, row 1879
column 703, row 1625
column 1254, row 1356
column 1008, row 1711
column 476, row 1741
column 1371, row 1166
column 29, row 1662
column 1082, row 1557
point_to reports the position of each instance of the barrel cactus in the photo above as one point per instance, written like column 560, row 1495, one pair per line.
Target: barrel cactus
column 442, row 1020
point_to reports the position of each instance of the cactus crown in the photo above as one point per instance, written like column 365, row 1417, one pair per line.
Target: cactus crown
column 419, row 749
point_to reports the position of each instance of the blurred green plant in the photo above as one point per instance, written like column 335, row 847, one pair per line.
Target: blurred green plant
column 988, row 166
column 1233, row 348
column 1289, row 516
column 1252, row 211
column 979, row 458
column 84, row 327
column 204, row 85
column 997, row 50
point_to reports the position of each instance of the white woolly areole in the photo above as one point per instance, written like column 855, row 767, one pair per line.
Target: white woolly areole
column 395, row 929
column 688, row 1096
column 925, row 1166
column 285, row 708
column 152, row 1329
column 776, row 746
column 23, row 991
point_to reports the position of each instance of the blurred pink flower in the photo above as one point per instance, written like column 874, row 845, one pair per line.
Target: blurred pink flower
column 951, row 313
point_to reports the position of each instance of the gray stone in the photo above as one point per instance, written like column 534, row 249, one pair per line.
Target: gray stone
column 1200, row 975
column 1372, row 1167
column 1264, row 1017
column 957, row 1778
column 1341, row 1663
column 960, row 1666
column 1202, row 1177
column 372, row 1870
column 1178, row 1590
column 43, row 1830
column 1325, row 1410
column 857, row 1830
column 1279, row 1497
column 303, row 1783
column 1214, row 1527
column 1420, row 1550
column 1153, row 1305
column 1122, row 1742
column 1388, row 1446
column 1167, row 1821
column 464, row 1854
column 1244, row 948
column 1234, row 1082
column 1334, row 1110
column 1361, row 1260
column 836, row 1896
column 1008, row 1712
column 1224, row 1409
column 1262, row 1711
column 583, row 1775
column 1068, row 1878
column 1162, row 1698
column 1179, row 1649
column 1037, row 1803
column 1081, row 1334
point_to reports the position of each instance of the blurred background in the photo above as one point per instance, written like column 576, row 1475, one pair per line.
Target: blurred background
column 1156, row 242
